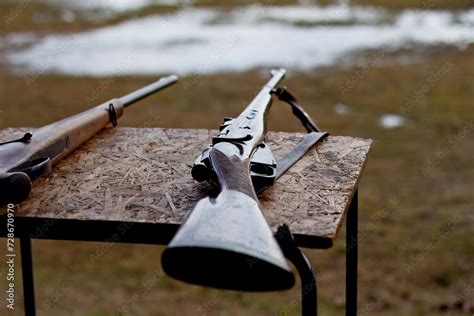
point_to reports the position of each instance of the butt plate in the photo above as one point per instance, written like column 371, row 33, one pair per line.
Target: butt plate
column 226, row 243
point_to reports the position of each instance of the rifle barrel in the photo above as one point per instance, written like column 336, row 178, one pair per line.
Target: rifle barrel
column 156, row 86
column 277, row 76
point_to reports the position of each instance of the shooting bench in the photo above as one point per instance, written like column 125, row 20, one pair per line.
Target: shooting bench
column 134, row 185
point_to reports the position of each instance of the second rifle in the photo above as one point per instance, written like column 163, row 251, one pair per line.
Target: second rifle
column 32, row 155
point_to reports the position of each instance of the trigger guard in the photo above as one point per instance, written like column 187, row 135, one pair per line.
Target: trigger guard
column 262, row 167
column 35, row 168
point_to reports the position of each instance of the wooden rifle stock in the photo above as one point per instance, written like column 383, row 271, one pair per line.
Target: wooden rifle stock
column 232, row 173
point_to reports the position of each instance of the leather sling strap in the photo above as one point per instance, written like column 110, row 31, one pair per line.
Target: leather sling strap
column 314, row 136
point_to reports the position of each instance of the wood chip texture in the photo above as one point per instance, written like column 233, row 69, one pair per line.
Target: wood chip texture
column 143, row 175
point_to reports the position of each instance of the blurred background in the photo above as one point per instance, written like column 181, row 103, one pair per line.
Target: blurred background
column 400, row 72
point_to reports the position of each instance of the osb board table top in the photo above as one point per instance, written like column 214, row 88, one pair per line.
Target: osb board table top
column 135, row 185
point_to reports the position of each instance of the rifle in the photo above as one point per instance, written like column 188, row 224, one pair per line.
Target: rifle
column 25, row 159
column 225, row 242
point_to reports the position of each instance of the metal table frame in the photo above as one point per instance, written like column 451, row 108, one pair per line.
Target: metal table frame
column 291, row 251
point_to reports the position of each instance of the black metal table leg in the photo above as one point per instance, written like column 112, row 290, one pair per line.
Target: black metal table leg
column 309, row 296
column 27, row 274
column 351, row 257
